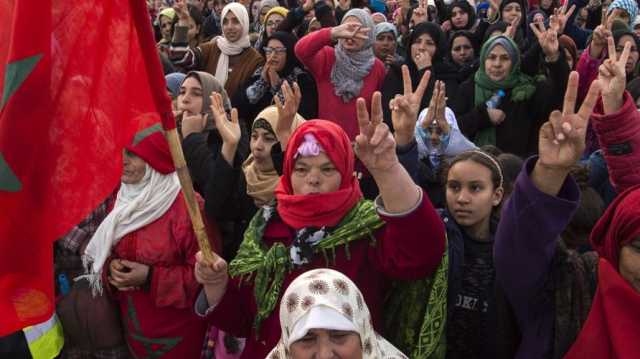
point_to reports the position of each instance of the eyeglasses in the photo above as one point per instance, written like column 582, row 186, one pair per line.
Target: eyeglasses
column 273, row 23
column 277, row 50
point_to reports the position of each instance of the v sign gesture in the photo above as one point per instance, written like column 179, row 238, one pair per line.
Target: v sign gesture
column 375, row 145
column 613, row 77
column 405, row 108
column 562, row 138
column 229, row 130
column 376, row 148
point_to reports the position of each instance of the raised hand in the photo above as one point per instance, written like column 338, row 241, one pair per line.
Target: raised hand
column 558, row 21
column 287, row 111
column 599, row 36
column 350, row 30
column 229, row 130
column 405, row 108
column 274, row 78
column 181, row 9
column 192, row 123
column 494, row 8
column 375, row 145
column 213, row 276
column 422, row 59
column 513, row 28
column 419, row 15
column 441, row 106
column 562, row 138
column 548, row 40
column 308, row 5
column 613, row 77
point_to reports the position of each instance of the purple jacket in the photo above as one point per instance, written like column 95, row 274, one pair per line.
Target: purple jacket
column 532, row 221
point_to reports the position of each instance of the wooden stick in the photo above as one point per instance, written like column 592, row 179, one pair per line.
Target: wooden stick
column 189, row 194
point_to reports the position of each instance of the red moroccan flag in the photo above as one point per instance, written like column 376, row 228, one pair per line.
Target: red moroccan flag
column 78, row 80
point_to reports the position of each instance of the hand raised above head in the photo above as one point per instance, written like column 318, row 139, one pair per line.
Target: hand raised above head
column 405, row 108
column 287, row 111
column 562, row 138
column 375, row 146
column 612, row 76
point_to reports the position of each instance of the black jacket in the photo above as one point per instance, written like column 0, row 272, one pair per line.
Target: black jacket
column 518, row 134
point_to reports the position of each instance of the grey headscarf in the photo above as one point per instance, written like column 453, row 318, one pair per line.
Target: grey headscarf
column 351, row 67
column 508, row 47
column 385, row 27
column 210, row 84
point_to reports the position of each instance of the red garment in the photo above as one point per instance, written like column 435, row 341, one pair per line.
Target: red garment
column 163, row 313
column 326, row 209
column 611, row 330
column 153, row 148
column 618, row 227
column 408, row 247
column 615, row 130
column 316, row 53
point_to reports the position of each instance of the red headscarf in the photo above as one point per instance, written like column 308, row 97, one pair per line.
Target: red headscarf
column 611, row 330
column 618, row 227
column 325, row 209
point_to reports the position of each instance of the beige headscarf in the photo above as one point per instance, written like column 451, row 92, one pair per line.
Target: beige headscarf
column 228, row 48
column 261, row 185
column 327, row 299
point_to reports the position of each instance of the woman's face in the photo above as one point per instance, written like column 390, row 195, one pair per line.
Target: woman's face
column 461, row 50
column 315, row 175
column 569, row 57
column 314, row 26
column 424, row 43
column 263, row 12
column 629, row 265
column 193, row 31
column 384, row 45
column 633, row 54
column 352, row 44
column 218, row 5
column 322, row 343
column 260, row 145
column 165, row 28
column 231, row 27
column 510, row 12
column 546, row 4
column 498, row 64
column 276, row 54
column 190, row 99
column 255, row 7
column 538, row 18
column 272, row 23
column 471, row 195
column 133, row 168
column 459, row 18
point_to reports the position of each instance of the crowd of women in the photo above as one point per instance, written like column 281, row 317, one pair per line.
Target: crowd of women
column 399, row 179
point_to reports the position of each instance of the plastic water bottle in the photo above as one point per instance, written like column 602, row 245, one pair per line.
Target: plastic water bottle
column 63, row 284
column 495, row 100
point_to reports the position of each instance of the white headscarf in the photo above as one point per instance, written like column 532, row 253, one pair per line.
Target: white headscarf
column 136, row 206
column 327, row 299
column 232, row 48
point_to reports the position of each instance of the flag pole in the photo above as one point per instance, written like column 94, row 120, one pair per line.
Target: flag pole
column 157, row 83
column 180, row 164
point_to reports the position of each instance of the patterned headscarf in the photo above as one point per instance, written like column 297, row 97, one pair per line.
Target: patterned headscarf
column 338, row 299
column 630, row 6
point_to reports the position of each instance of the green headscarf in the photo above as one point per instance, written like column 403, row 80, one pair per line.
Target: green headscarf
column 522, row 86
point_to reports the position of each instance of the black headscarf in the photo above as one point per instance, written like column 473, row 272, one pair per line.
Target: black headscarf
column 524, row 26
column 289, row 42
column 467, row 8
column 437, row 36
